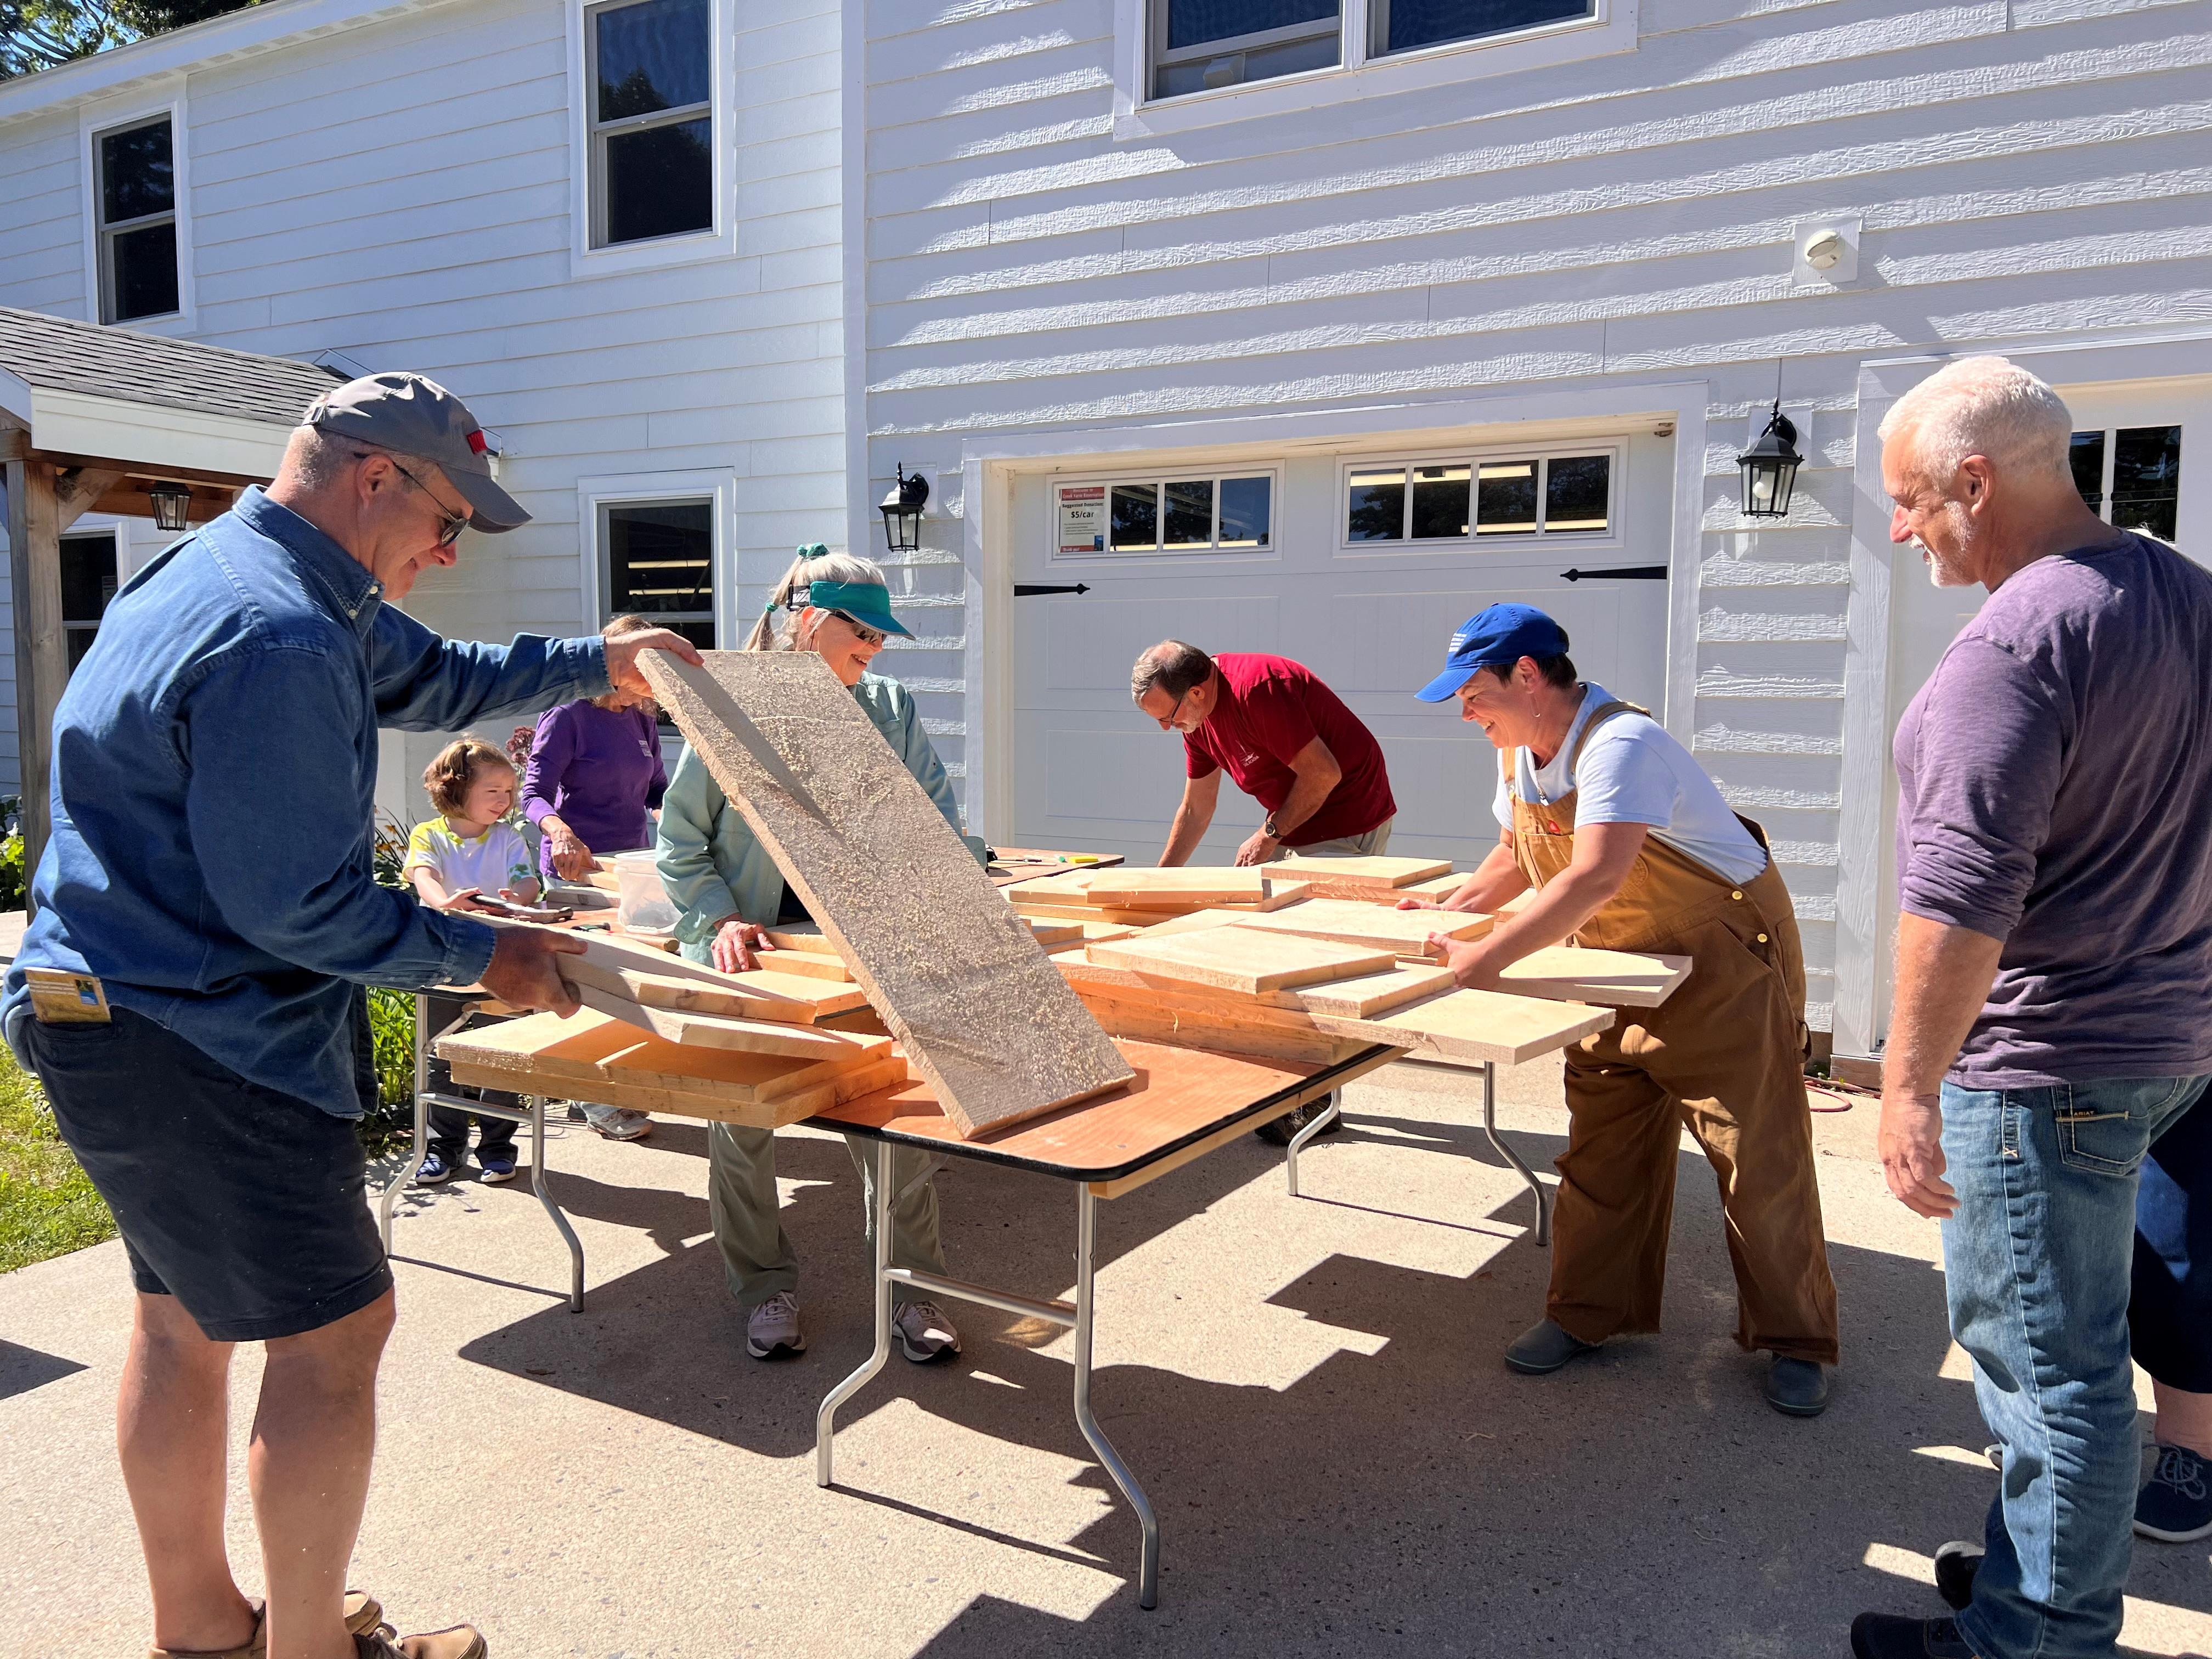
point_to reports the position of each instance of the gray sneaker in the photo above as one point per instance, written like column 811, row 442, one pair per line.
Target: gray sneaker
column 773, row 1327
column 617, row 1122
column 924, row 1332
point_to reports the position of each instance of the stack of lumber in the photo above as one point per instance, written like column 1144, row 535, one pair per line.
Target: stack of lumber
column 1371, row 880
column 1126, row 898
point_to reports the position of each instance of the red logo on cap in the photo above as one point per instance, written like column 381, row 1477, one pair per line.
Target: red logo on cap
column 477, row 445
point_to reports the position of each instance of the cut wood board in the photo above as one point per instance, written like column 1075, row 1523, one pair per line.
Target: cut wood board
column 1437, row 887
column 1361, row 996
column 1612, row 979
column 1049, row 931
column 1377, row 926
column 757, row 995
column 748, row 1078
column 1358, row 872
column 758, row 1037
column 1128, row 916
column 1476, row 1026
column 1141, row 889
column 1155, row 1017
column 1237, row 959
column 984, row 1018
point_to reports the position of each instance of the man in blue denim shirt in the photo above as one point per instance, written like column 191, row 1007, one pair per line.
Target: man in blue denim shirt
column 2054, row 962
column 213, row 775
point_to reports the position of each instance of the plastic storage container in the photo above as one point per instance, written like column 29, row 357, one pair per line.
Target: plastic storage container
column 641, row 903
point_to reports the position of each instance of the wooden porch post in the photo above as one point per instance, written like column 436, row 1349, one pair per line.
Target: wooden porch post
column 34, row 576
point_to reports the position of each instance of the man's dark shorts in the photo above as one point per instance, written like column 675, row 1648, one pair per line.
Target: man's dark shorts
column 247, row 1205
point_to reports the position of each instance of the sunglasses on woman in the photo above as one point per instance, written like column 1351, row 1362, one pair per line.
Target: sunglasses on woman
column 867, row 635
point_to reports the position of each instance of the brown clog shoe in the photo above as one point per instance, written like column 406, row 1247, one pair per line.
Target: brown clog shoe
column 460, row 1642
column 363, row 1611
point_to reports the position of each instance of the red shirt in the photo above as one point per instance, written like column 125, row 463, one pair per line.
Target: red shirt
column 1270, row 708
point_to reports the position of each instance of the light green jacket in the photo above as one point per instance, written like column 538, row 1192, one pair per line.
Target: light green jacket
column 709, row 862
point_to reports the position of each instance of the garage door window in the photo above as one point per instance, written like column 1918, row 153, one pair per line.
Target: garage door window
column 1466, row 499
column 2131, row 475
column 1206, row 514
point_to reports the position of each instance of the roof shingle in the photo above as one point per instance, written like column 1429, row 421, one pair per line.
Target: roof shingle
column 64, row 355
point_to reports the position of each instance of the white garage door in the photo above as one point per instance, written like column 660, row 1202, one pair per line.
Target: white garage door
column 1359, row 566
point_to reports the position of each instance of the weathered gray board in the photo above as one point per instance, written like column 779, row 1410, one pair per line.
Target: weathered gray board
column 982, row 1015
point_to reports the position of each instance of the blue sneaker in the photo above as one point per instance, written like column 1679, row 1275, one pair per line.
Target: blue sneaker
column 497, row 1168
column 2175, row 1505
column 434, row 1171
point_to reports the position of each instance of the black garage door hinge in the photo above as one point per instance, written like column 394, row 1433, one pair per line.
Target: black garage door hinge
column 1024, row 590
column 1627, row 573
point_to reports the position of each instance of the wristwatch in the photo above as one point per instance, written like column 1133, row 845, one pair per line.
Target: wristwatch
column 1267, row 829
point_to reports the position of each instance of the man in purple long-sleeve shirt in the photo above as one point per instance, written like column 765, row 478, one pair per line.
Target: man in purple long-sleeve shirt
column 2054, row 974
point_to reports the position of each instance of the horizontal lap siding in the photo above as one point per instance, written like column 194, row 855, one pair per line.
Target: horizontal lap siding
column 400, row 191
column 2020, row 172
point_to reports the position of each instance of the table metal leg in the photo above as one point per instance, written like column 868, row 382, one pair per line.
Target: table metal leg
column 1322, row 1121
column 537, row 1186
column 391, row 1194
column 825, row 1414
column 1086, row 1228
column 1489, row 1129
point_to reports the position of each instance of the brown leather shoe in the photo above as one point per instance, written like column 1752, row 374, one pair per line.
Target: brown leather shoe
column 363, row 1612
column 461, row 1642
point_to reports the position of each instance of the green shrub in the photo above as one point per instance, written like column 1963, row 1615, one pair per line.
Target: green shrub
column 47, row 1205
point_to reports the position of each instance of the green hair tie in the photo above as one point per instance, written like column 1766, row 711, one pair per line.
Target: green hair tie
column 815, row 550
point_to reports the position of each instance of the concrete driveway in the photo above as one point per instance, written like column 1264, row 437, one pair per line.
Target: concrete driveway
column 1310, row 1390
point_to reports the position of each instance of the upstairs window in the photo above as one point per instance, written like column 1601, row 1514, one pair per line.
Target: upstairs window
column 659, row 561
column 136, row 194
column 652, row 127
column 1201, row 44
column 2130, row 476
column 1458, row 500
column 1409, row 25
column 1198, row 45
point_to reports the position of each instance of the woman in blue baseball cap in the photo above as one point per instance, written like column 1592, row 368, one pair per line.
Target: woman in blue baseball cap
column 731, row 892
column 1630, row 847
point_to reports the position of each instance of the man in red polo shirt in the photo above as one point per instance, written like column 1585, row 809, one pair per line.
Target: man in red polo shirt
column 1287, row 740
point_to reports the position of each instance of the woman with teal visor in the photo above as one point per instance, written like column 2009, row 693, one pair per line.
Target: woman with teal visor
column 730, row 893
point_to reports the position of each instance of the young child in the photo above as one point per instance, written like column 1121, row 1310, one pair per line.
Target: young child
column 464, row 851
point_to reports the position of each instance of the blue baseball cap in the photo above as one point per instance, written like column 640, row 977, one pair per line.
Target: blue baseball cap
column 1496, row 638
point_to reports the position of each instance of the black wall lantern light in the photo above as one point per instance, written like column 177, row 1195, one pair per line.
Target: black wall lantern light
column 1770, row 468
column 173, row 505
column 902, row 510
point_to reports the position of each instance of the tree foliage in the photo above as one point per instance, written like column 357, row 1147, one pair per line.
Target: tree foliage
column 36, row 34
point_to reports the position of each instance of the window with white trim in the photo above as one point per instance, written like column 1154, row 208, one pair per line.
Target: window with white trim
column 2130, row 476
column 88, row 583
column 1184, row 511
column 1198, row 45
column 648, row 72
column 1474, row 497
column 658, row 557
column 135, row 202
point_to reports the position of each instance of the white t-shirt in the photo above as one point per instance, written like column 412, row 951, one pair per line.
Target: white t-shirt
column 1633, row 771
column 498, row 858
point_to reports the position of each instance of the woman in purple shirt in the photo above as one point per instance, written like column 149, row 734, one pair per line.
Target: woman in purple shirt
column 594, row 773
column 593, row 777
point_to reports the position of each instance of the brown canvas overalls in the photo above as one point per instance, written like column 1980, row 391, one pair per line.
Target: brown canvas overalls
column 1725, row 1057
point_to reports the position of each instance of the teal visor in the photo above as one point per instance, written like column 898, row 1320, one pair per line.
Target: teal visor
column 864, row 602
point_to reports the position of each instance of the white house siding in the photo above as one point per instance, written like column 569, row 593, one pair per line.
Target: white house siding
column 2024, row 171
column 400, row 191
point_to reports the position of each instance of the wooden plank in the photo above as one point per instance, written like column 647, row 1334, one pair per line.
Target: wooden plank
column 1141, row 889
column 1240, row 959
column 1368, row 873
column 1362, row 996
column 1404, row 933
column 1049, row 931
column 1130, row 916
column 746, row 1078
column 757, row 995
column 806, row 965
column 545, row 1042
column 1439, row 888
column 864, row 1078
column 985, row 1019
column 722, row 1032
column 1612, row 979
column 1476, row 1026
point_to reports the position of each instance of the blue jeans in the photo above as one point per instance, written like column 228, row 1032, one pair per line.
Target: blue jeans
column 2037, row 1265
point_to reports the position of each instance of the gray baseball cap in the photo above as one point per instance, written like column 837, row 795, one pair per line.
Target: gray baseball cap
column 413, row 414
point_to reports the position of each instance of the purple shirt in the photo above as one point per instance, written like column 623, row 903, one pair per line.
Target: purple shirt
column 2055, row 791
column 597, row 769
